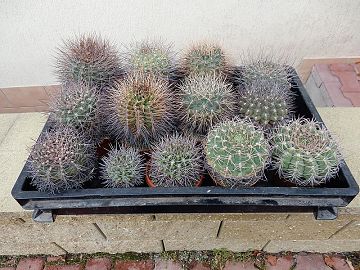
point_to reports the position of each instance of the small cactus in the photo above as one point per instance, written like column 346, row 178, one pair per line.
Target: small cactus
column 176, row 161
column 236, row 153
column 265, row 104
column 205, row 58
column 139, row 109
column 265, row 69
column 155, row 58
column 75, row 106
column 205, row 100
column 61, row 159
column 123, row 167
column 305, row 153
column 88, row 59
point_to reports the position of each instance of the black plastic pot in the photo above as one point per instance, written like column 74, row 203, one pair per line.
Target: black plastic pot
column 271, row 195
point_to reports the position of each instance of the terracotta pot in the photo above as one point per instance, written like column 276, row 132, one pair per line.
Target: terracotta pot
column 151, row 184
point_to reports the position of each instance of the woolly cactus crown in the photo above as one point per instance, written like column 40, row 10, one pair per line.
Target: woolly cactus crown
column 76, row 106
column 61, row 159
column 305, row 153
column 139, row 109
column 205, row 100
column 236, row 153
column 123, row 167
column 176, row 161
column 205, row 58
column 88, row 59
column 151, row 57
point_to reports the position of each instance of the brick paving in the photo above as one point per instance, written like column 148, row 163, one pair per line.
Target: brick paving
column 301, row 261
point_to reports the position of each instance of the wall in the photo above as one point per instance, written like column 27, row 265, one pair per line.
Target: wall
column 30, row 30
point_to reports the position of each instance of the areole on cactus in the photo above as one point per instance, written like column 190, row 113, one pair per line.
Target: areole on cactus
column 305, row 152
column 139, row 109
column 236, row 153
column 61, row 159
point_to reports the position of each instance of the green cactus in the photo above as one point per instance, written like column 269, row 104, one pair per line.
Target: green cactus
column 176, row 161
column 266, row 69
column 205, row 100
column 236, row 153
column 88, row 59
column 61, row 159
column 75, row 106
column 265, row 104
column 123, row 167
column 205, row 58
column 305, row 153
column 155, row 58
column 139, row 109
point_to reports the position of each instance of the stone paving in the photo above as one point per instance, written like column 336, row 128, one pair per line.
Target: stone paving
column 259, row 261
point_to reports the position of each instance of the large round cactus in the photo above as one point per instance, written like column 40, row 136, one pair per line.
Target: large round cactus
column 265, row 69
column 61, row 159
column 265, row 104
column 88, row 59
column 176, row 161
column 205, row 58
column 150, row 57
column 236, row 153
column 139, row 109
column 305, row 153
column 123, row 167
column 205, row 100
column 75, row 106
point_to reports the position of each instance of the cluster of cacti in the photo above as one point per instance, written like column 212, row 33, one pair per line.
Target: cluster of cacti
column 75, row 106
column 236, row 153
column 265, row 104
column 61, row 159
column 205, row 100
column 205, row 58
column 305, row 153
column 150, row 57
column 176, row 161
column 139, row 109
column 88, row 59
column 123, row 167
column 264, row 69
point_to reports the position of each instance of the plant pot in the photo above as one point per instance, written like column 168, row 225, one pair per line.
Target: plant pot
column 151, row 184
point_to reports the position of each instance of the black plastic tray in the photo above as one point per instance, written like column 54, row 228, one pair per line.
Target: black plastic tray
column 271, row 195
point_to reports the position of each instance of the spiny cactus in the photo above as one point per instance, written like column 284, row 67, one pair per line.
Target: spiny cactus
column 61, row 159
column 205, row 58
column 204, row 101
column 176, row 161
column 139, row 109
column 264, row 103
column 265, row 69
column 75, row 106
column 88, row 59
column 151, row 57
column 123, row 167
column 305, row 153
column 236, row 153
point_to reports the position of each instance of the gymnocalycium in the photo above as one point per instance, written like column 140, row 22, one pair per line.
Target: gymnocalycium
column 304, row 153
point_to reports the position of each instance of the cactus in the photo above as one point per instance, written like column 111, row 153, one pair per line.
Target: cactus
column 205, row 58
column 176, row 161
column 61, row 159
column 88, row 59
column 305, row 153
column 155, row 58
column 123, row 167
column 266, row 69
column 236, row 153
column 139, row 109
column 76, row 106
column 265, row 104
column 204, row 101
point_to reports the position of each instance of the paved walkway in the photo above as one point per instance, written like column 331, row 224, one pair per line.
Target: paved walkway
column 211, row 260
